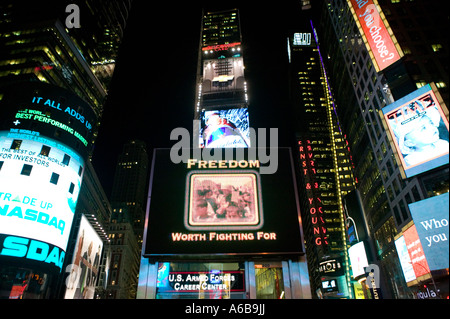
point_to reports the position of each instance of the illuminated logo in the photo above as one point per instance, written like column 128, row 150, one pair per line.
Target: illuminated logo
column 32, row 249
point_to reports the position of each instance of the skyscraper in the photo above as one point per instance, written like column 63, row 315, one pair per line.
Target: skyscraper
column 324, row 163
column 130, row 185
column 364, row 87
column 220, row 222
column 221, row 85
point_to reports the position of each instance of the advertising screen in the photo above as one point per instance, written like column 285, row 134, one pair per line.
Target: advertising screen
column 222, row 201
column 431, row 219
column 382, row 47
column 45, row 135
column 405, row 260
column 358, row 259
column 415, row 251
column 419, row 130
column 222, row 207
column 225, row 128
column 38, row 196
column 84, row 270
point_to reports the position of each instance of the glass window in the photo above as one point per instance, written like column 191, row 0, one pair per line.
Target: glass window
column 200, row 281
column 26, row 169
column 54, row 179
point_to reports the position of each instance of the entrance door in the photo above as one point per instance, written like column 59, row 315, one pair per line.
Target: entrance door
column 270, row 279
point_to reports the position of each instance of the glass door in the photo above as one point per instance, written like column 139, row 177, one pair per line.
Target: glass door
column 270, row 280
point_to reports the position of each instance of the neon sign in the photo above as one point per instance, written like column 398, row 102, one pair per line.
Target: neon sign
column 314, row 201
column 221, row 47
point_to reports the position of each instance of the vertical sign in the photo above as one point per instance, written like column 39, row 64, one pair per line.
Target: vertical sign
column 382, row 46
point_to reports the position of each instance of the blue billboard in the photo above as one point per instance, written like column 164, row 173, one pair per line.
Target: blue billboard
column 418, row 125
column 431, row 219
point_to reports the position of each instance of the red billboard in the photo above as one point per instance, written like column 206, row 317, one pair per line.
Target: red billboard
column 415, row 251
column 381, row 43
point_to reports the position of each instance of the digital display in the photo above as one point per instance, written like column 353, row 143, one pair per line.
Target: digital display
column 415, row 251
column 382, row 48
column 225, row 128
column 45, row 137
column 38, row 193
column 431, row 219
column 223, row 201
column 222, row 207
column 358, row 259
column 419, row 130
column 405, row 259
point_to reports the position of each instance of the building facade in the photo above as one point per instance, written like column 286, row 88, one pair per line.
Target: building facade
column 325, row 166
column 226, row 231
column 364, row 88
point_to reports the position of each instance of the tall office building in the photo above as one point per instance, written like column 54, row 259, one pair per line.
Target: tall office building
column 130, row 185
column 324, row 163
column 219, row 224
column 221, row 86
column 371, row 85
column 37, row 45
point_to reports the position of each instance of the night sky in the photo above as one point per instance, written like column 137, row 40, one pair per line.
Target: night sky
column 153, row 88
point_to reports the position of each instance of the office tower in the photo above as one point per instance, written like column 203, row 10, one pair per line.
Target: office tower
column 221, row 86
column 126, row 226
column 364, row 86
column 223, row 219
column 324, row 165
column 37, row 45
column 130, row 185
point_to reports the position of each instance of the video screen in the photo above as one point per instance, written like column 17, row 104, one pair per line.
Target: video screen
column 419, row 130
column 225, row 129
column 223, row 201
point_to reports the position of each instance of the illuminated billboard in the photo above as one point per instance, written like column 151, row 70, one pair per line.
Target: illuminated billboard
column 84, row 269
column 418, row 127
column 41, row 170
column 222, row 207
column 431, row 219
column 378, row 37
column 226, row 128
column 223, row 201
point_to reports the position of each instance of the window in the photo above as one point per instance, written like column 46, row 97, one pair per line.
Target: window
column 66, row 159
column 45, row 150
column 26, row 169
column 71, row 188
column 54, row 178
column 16, row 144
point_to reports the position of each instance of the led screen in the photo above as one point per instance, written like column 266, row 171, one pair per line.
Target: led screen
column 45, row 137
column 419, row 130
column 358, row 259
column 431, row 219
column 415, row 251
column 405, row 260
column 38, row 193
column 222, row 207
column 223, row 201
column 225, row 128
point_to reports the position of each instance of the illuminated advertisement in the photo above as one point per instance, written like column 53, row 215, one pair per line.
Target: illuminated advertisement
column 415, row 251
column 225, row 128
column 431, row 219
column 405, row 260
column 84, row 270
column 188, row 281
column 419, row 130
column 221, row 201
column 223, row 207
column 383, row 46
column 358, row 259
column 42, row 154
